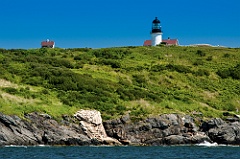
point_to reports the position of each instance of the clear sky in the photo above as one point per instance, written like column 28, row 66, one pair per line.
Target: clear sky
column 113, row 23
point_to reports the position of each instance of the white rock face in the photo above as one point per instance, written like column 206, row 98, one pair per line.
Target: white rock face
column 91, row 122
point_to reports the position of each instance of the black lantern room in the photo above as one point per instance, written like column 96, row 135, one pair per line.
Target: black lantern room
column 156, row 28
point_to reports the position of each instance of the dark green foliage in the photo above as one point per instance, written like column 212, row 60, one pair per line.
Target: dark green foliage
column 225, row 73
column 124, row 82
column 233, row 72
column 202, row 72
column 24, row 92
column 171, row 67
column 179, row 68
column 163, row 43
column 140, row 79
column 78, row 49
column 129, row 93
column 209, row 58
column 45, row 91
column 200, row 53
column 158, row 68
column 198, row 62
column 77, row 58
column 226, row 55
column 139, row 113
column 113, row 53
column 230, row 107
column 113, row 63
column 86, row 57
column 10, row 90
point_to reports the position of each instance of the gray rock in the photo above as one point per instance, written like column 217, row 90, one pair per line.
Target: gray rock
column 222, row 132
column 87, row 129
column 164, row 129
column 176, row 140
column 38, row 129
column 213, row 123
column 125, row 118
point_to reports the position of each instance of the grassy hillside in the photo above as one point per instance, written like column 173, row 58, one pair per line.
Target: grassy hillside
column 140, row 80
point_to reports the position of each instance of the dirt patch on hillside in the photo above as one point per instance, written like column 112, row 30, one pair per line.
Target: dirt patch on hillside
column 5, row 83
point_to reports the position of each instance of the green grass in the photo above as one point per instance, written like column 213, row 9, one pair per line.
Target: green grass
column 142, row 81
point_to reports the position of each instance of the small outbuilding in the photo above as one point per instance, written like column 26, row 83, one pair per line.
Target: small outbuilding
column 48, row 44
column 168, row 42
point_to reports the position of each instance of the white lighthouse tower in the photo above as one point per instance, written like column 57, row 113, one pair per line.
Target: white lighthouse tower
column 156, row 32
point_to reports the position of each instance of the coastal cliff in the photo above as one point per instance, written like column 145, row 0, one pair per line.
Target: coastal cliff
column 86, row 128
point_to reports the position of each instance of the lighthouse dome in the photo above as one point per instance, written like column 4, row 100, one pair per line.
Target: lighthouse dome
column 156, row 20
column 156, row 27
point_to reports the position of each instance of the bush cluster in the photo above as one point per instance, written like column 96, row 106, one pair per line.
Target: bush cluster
column 233, row 72
column 171, row 67
column 113, row 53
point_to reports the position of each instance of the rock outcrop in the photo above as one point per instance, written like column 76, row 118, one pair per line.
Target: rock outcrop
column 167, row 129
column 222, row 132
column 87, row 128
column 39, row 129
column 91, row 123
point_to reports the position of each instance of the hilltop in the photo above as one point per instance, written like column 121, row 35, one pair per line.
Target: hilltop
column 142, row 81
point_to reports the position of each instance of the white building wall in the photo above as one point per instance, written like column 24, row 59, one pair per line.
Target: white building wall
column 156, row 38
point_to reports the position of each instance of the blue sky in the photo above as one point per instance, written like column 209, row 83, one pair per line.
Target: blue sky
column 113, row 23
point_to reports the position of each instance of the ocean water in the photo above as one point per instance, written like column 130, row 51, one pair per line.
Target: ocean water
column 128, row 152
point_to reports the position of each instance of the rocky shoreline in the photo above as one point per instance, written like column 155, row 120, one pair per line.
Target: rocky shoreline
column 86, row 128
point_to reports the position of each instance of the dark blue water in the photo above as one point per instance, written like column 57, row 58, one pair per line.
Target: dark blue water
column 171, row 152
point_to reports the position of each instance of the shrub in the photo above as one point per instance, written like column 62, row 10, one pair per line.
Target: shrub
column 86, row 57
column 179, row 68
column 209, row 58
column 230, row 72
column 45, row 91
column 200, row 53
column 10, row 90
column 79, row 49
column 224, row 73
column 230, row 107
column 235, row 72
column 202, row 72
column 158, row 68
column 198, row 62
column 77, row 58
column 138, row 113
column 141, row 79
column 113, row 53
column 112, row 63
column 226, row 55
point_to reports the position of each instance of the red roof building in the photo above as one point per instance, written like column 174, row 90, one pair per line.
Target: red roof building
column 147, row 43
column 167, row 42
column 170, row 41
column 48, row 44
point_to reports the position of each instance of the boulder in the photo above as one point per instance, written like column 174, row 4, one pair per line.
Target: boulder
column 222, row 132
column 176, row 140
column 91, row 123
